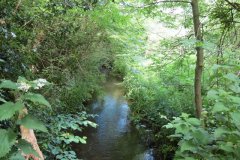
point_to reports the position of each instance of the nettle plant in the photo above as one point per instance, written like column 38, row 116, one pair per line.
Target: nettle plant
column 12, row 113
column 217, row 135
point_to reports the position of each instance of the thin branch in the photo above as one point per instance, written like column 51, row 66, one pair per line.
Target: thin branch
column 234, row 5
column 157, row 2
column 17, row 6
column 169, row 1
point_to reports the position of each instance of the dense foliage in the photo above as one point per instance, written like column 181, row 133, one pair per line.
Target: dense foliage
column 73, row 43
column 65, row 43
column 159, row 78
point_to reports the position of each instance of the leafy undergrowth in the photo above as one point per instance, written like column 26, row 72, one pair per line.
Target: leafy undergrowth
column 64, row 129
column 217, row 135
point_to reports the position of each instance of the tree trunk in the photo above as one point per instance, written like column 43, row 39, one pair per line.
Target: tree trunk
column 28, row 135
column 199, row 61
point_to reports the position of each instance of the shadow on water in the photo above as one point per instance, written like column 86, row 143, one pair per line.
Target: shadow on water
column 115, row 138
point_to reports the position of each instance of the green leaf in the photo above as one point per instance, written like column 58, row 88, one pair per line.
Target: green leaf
column 187, row 146
column 235, row 88
column 194, row 121
column 181, row 128
column 228, row 147
column 59, row 156
column 212, row 94
column 36, row 98
column 8, row 84
column 185, row 115
column 69, row 138
column 235, row 99
column 56, row 150
column 175, row 136
column 2, row 100
column 32, row 123
column 188, row 42
column 83, row 140
column 199, row 44
column 169, row 125
column 7, row 139
column 236, row 118
column 219, row 132
column 219, row 107
column 215, row 67
column 232, row 77
column 26, row 147
column 8, row 109
column 1, row 60
column 17, row 156
column 92, row 124
column 201, row 136
column 22, row 79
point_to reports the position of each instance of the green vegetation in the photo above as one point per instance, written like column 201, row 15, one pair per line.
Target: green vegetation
column 189, row 103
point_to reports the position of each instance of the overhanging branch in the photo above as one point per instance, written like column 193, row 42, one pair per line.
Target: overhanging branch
column 158, row 2
column 234, row 5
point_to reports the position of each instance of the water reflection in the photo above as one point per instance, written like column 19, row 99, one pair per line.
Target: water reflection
column 115, row 138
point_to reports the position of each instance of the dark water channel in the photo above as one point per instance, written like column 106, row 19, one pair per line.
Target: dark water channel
column 114, row 138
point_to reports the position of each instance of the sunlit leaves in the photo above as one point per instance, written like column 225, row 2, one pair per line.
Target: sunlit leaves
column 219, row 107
column 25, row 85
column 194, row 121
column 69, row 138
column 2, row 100
column 8, row 109
column 67, row 155
column 222, row 117
column 8, row 84
column 75, row 122
column 64, row 127
column 36, row 98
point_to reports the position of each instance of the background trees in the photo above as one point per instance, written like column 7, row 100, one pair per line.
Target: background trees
column 161, row 82
column 67, row 43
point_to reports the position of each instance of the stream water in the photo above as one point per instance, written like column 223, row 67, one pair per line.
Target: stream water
column 114, row 138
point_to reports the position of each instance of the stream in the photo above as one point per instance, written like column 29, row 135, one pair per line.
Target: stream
column 114, row 138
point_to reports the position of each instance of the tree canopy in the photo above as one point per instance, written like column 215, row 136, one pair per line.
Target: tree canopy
column 178, row 61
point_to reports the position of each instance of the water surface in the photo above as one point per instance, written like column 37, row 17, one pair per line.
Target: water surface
column 114, row 138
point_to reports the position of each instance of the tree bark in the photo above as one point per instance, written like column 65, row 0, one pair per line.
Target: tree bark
column 199, row 61
column 28, row 135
